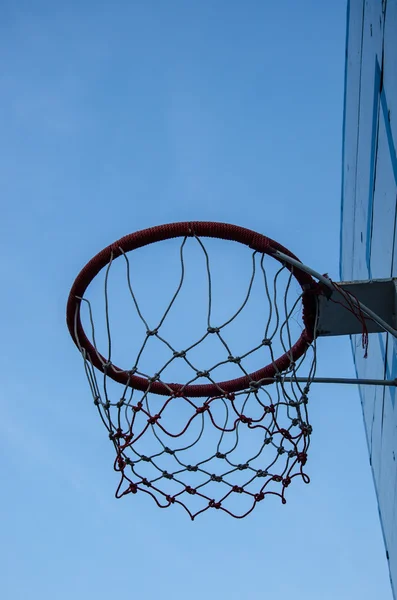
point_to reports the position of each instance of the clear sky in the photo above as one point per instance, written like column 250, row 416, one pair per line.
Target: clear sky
column 116, row 116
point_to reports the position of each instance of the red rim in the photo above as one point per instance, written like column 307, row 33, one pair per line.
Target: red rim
column 224, row 231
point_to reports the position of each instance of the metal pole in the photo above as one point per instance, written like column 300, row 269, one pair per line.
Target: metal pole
column 340, row 380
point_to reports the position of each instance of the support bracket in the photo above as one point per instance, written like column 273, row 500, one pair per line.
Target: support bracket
column 380, row 295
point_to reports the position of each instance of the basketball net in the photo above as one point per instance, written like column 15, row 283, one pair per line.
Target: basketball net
column 205, row 442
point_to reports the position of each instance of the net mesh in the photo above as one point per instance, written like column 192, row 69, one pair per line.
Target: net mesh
column 226, row 450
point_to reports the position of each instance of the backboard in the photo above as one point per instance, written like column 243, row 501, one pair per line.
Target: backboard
column 368, row 226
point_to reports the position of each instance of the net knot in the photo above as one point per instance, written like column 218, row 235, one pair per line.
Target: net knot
column 127, row 439
column 259, row 497
column 201, row 409
column 133, row 488
column 213, row 329
column 285, row 433
column 137, row 408
column 277, row 478
column 107, row 366
column 191, row 468
column 261, row 473
column 220, row 455
column 254, row 386
column 237, row 489
column 306, row 429
column 146, row 482
column 150, row 332
column 120, row 463
column 266, row 342
column 286, row 481
column 269, row 409
column 217, row 478
column 245, row 419
column 168, row 475
column 268, row 440
column 170, row 499
column 202, row 373
column 190, row 490
column 242, row 467
column 302, row 458
column 153, row 420
column 234, row 359
column 214, row 504
column 181, row 354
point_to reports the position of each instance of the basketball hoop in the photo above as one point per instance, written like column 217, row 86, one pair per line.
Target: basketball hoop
column 242, row 438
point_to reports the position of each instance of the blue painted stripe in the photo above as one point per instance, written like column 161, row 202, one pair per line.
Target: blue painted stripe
column 372, row 167
column 389, row 134
column 343, row 142
column 378, row 94
column 390, row 373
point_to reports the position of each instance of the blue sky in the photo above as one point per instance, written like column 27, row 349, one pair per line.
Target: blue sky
column 120, row 116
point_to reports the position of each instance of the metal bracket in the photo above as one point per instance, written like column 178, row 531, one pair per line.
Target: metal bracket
column 379, row 295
